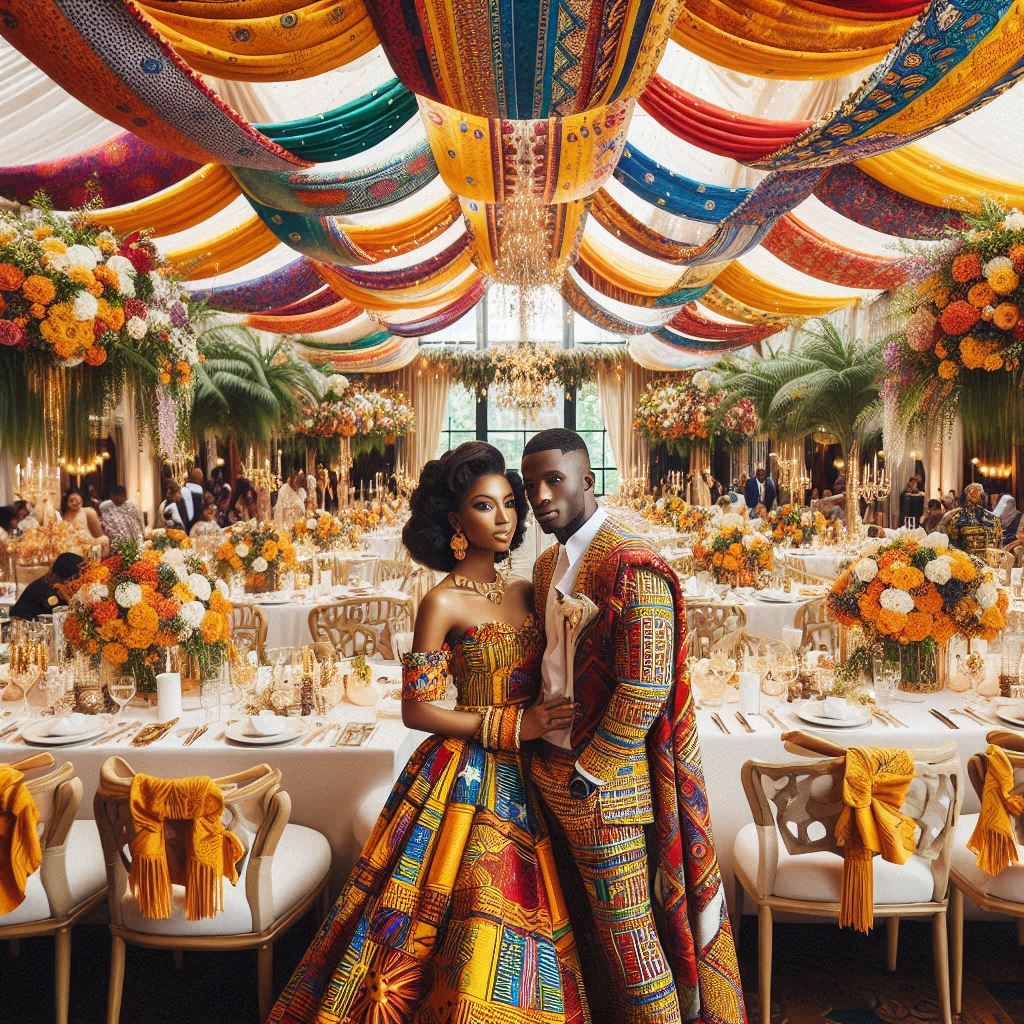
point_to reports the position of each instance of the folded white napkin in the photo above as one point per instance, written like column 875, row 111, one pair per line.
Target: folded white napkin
column 266, row 723
column 837, row 707
column 71, row 725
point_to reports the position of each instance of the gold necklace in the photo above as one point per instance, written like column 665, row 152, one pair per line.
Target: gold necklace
column 494, row 592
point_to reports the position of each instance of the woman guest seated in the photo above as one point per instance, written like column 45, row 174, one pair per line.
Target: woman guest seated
column 42, row 595
column 77, row 513
column 206, row 525
column 933, row 515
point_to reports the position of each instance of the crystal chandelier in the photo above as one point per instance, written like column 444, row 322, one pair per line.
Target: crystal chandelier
column 523, row 375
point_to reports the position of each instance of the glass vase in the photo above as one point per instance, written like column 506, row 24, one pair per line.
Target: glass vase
column 919, row 672
column 261, row 582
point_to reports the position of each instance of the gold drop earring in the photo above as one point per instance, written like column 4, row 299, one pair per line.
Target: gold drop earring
column 459, row 545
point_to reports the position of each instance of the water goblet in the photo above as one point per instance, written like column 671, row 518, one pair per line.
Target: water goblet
column 121, row 689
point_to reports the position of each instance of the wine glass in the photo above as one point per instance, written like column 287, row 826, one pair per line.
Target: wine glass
column 121, row 690
column 210, row 686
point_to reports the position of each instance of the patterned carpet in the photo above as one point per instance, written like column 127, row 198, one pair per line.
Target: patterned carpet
column 821, row 975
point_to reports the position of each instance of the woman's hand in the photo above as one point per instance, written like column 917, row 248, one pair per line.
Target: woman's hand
column 539, row 719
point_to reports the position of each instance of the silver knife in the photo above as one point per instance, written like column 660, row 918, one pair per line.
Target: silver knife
column 314, row 735
column 746, row 725
column 947, row 722
column 717, row 719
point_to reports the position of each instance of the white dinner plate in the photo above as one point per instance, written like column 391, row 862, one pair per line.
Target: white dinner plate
column 277, row 598
column 833, row 723
column 1013, row 714
column 37, row 733
column 240, row 734
column 779, row 597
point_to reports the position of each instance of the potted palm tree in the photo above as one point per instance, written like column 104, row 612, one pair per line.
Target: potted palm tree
column 826, row 383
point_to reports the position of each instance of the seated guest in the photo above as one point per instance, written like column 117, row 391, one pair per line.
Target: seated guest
column 206, row 525
column 173, row 511
column 933, row 516
column 42, row 595
column 8, row 523
column 972, row 528
column 122, row 521
column 1008, row 514
column 76, row 512
column 760, row 514
column 291, row 499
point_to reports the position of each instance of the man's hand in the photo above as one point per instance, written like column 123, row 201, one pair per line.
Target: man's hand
column 540, row 719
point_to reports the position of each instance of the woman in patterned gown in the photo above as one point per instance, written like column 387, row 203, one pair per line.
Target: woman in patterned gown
column 453, row 912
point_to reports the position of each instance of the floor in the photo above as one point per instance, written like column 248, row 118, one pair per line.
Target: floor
column 821, row 974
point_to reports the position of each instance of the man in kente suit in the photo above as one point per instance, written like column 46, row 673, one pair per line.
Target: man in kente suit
column 624, row 789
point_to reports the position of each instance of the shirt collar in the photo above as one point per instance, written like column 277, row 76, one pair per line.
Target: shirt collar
column 578, row 543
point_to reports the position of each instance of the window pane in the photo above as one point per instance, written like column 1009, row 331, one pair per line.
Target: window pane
column 510, row 444
column 461, row 408
column 588, row 409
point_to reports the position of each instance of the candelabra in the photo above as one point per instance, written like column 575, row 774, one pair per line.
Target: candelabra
column 38, row 483
column 793, row 474
column 263, row 478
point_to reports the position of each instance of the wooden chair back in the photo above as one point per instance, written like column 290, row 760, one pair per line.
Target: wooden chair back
column 795, row 571
column 344, row 639
column 380, row 615
column 1016, row 548
column 707, row 622
column 249, row 620
column 256, row 809
column 817, row 631
column 977, row 769
column 392, row 568
column 1003, row 561
column 57, row 793
column 801, row 803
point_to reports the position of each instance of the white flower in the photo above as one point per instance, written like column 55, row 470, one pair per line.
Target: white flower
column 337, row 384
column 128, row 595
column 83, row 256
column 939, row 570
column 1014, row 221
column 987, row 595
column 260, row 564
column 192, row 613
column 865, row 570
column 118, row 264
column 136, row 327
column 86, row 307
column 702, row 381
column 57, row 262
column 225, row 591
column 997, row 263
column 731, row 521
column 936, row 541
column 896, row 601
column 200, row 586
column 242, row 550
column 311, row 523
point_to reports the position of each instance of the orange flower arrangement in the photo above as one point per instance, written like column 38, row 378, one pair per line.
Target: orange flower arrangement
column 966, row 267
column 246, row 549
column 734, row 553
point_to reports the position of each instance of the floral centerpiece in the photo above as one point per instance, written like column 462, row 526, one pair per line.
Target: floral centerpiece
column 259, row 550
column 73, row 294
column 796, row 524
column 44, row 543
column 370, row 417
column 962, row 343
column 733, row 553
column 671, row 510
column 130, row 608
column 913, row 593
column 165, row 540
column 679, row 411
column 324, row 531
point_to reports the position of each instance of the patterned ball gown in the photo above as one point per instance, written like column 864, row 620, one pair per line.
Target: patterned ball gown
column 453, row 913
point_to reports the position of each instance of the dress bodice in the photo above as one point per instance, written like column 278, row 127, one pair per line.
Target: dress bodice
column 494, row 663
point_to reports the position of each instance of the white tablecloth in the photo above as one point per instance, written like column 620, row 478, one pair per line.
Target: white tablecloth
column 288, row 624
column 820, row 561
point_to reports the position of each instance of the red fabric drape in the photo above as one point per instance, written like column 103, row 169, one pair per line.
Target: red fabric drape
column 691, row 322
column 325, row 319
column 714, row 128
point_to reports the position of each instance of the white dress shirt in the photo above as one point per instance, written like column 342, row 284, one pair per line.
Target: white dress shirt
column 554, row 682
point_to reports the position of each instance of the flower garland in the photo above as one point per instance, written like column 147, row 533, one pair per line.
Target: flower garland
column 963, row 334
column 74, row 294
column 260, row 550
column 378, row 416
column 734, row 553
column 167, row 540
column 795, row 523
column 129, row 608
column 916, row 592
column 324, row 531
column 675, row 512
column 679, row 410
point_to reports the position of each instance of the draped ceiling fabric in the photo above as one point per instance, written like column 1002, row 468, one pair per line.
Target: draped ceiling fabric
column 697, row 195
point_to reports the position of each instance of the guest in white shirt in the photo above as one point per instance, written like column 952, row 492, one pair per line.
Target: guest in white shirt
column 291, row 499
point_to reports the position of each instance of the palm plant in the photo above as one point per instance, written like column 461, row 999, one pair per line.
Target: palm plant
column 244, row 392
column 825, row 384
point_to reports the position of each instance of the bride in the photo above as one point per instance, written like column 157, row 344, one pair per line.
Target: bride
column 453, row 910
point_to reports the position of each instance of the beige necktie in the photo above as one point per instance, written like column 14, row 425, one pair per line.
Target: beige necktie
column 561, row 566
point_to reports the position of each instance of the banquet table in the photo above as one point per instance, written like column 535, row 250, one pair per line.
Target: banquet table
column 819, row 561
column 288, row 620
column 325, row 782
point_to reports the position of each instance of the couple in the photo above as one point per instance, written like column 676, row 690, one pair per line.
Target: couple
column 509, row 877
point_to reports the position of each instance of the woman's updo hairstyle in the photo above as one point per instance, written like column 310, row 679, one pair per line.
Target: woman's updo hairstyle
column 443, row 484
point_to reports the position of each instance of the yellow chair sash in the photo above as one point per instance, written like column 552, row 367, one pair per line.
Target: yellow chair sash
column 20, row 852
column 211, row 851
column 875, row 784
column 992, row 840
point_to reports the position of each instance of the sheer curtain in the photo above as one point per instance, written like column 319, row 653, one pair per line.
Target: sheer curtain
column 619, row 388
column 427, row 391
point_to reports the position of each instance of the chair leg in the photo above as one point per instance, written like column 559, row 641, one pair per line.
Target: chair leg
column 956, row 930
column 265, row 978
column 1020, row 931
column 179, row 959
column 892, row 944
column 116, row 980
column 764, row 962
column 324, row 901
column 62, row 973
column 14, row 946
column 737, row 908
column 940, row 951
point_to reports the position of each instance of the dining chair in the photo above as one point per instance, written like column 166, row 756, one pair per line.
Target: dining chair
column 345, row 639
column 799, row 804
column 817, row 630
column 249, row 620
column 381, row 614
column 796, row 572
column 1016, row 548
column 708, row 621
column 1003, row 560
column 391, row 569
column 71, row 879
column 998, row 894
column 281, row 874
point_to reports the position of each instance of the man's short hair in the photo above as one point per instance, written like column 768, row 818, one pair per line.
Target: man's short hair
column 118, row 489
column 556, row 438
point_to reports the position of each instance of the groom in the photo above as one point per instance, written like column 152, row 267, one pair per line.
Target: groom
column 624, row 787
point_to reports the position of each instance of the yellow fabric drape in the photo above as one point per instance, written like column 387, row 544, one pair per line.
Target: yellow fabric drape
column 436, row 290
column 993, row 841
column 211, row 851
column 20, row 852
column 227, row 251
column 918, row 174
column 875, row 784
column 748, row 54
column 746, row 287
column 182, row 206
column 308, row 40
column 385, row 240
column 725, row 305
